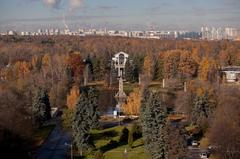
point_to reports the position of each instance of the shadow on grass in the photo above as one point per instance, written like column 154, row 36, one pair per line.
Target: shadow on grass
column 137, row 146
column 111, row 145
column 105, row 135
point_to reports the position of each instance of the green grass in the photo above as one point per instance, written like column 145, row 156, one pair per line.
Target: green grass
column 137, row 152
column 116, row 150
column 128, row 87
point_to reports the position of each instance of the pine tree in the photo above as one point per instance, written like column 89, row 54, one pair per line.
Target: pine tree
column 129, row 76
column 93, row 107
column 81, row 127
column 41, row 107
column 96, row 68
column 153, row 118
column 202, row 108
column 158, row 73
column 68, row 77
column 85, row 118
column 137, row 65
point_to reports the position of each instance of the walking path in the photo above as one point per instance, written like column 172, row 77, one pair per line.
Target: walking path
column 54, row 147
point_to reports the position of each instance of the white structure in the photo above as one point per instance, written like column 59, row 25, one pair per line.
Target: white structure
column 120, row 60
column 232, row 73
column 11, row 32
column 219, row 33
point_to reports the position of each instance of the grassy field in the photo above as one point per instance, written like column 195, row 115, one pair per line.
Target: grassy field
column 107, row 141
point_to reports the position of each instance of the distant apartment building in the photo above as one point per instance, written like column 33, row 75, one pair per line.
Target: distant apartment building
column 100, row 32
column 166, row 35
column 137, row 34
column 25, row 33
column 57, row 32
column 11, row 32
column 231, row 33
column 231, row 74
column 212, row 33
column 188, row 35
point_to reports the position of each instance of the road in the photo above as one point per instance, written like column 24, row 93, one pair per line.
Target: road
column 194, row 152
column 54, row 147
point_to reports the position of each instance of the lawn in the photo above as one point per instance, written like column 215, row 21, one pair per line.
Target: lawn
column 128, row 87
column 137, row 152
column 107, row 141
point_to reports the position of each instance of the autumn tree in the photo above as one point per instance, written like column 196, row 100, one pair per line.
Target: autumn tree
column 22, row 68
column 187, row 66
column 36, row 62
column 58, row 94
column 183, row 102
column 75, row 62
column 208, row 70
column 132, row 107
column 72, row 97
column 47, row 67
column 148, row 66
column 171, row 63
column 224, row 131
column 176, row 145
column 16, row 128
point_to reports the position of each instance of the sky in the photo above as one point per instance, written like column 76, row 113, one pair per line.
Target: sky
column 119, row 14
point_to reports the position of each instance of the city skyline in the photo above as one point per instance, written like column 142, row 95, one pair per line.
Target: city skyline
column 119, row 14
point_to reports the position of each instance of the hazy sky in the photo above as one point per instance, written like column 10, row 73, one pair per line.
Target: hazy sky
column 122, row 14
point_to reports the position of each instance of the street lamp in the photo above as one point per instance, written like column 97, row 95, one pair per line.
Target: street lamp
column 71, row 149
column 125, row 154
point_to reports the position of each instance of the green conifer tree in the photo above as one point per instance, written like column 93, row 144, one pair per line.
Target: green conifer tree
column 41, row 107
column 129, row 71
column 153, row 117
column 85, row 118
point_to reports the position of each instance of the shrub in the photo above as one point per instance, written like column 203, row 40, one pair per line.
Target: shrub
column 136, row 131
column 124, row 135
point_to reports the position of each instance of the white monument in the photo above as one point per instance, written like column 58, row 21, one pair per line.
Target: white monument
column 119, row 61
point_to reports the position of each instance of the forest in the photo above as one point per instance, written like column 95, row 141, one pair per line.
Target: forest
column 54, row 70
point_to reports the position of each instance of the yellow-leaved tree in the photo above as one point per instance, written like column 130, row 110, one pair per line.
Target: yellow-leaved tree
column 22, row 69
column 73, row 97
column 132, row 107
column 148, row 66
column 208, row 69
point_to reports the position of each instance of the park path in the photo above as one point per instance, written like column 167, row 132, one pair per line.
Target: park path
column 54, row 147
